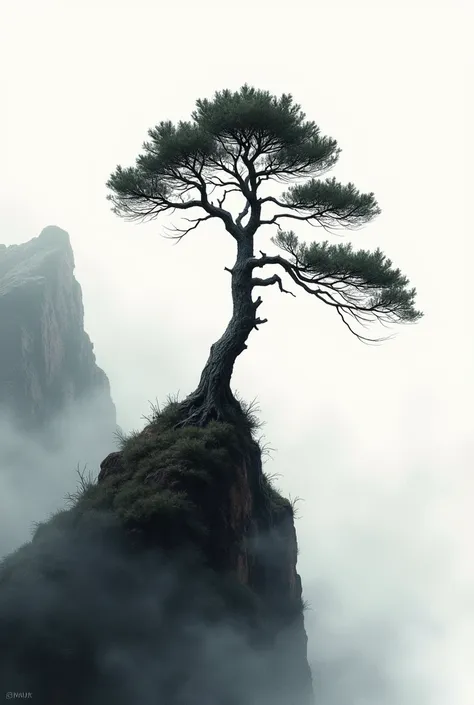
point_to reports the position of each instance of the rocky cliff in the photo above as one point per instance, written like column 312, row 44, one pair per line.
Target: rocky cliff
column 170, row 580
column 47, row 363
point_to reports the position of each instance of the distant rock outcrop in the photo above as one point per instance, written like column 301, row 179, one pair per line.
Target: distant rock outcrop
column 47, row 363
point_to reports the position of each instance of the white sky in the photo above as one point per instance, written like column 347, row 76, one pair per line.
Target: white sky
column 377, row 440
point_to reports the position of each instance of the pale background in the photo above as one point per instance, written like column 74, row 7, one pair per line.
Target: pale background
column 378, row 441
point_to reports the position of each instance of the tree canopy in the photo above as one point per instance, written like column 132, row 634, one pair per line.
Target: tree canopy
column 240, row 142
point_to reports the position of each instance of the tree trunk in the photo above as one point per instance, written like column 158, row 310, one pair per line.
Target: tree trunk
column 213, row 398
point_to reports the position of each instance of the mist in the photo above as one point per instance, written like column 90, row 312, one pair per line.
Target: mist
column 387, row 569
column 138, row 651
column 39, row 472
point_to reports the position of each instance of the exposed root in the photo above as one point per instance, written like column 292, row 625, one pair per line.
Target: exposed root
column 199, row 409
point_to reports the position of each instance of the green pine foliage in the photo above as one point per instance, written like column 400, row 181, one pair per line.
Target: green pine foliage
column 239, row 141
column 272, row 130
column 360, row 280
column 334, row 202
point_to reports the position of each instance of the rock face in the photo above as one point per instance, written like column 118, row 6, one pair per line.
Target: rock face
column 47, row 361
column 171, row 580
column 250, row 537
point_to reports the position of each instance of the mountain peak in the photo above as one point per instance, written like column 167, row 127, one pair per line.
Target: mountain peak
column 53, row 235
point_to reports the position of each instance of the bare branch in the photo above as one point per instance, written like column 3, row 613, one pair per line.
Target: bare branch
column 216, row 211
column 220, row 201
column 184, row 231
column 325, row 218
column 362, row 339
column 217, row 181
column 275, row 279
column 242, row 214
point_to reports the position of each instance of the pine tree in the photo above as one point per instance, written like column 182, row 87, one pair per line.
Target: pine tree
column 238, row 143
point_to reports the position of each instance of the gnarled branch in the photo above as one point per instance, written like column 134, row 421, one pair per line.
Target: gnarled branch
column 275, row 279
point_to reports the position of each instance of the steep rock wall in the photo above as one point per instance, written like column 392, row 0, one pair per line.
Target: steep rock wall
column 47, row 361
column 249, row 537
